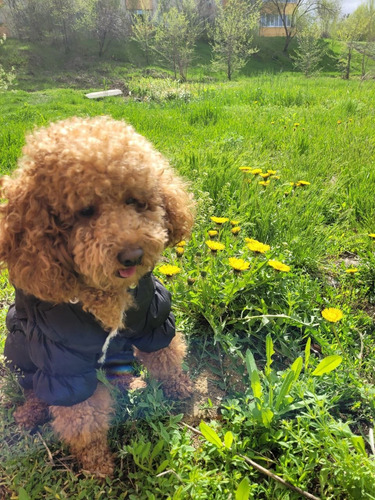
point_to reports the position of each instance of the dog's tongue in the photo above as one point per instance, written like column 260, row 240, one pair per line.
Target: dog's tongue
column 126, row 273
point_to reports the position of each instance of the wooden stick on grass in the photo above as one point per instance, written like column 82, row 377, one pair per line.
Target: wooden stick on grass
column 46, row 447
column 265, row 471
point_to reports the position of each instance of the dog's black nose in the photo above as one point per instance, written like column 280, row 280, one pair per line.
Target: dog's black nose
column 130, row 257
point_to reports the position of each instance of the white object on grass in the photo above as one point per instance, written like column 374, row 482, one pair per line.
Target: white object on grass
column 104, row 93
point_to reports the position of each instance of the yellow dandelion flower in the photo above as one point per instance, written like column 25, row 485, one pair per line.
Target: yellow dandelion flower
column 234, row 222
column 238, row 264
column 372, row 235
column 235, row 229
column 276, row 177
column 181, row 243
column 256, row 171
column 245, row 169
column 212, row 233
column 338, row 122
column 292, row 184
column 256, row 246
column 264, row 175
column 351, row 270
column 180, row 251
column 271, row 172
column 279, row 266
column 264, row 183
column 332, row 315
column 169, row 270
column 302, row 183
column 219, row 220
column 297, row 124
column 215, row 246
column 272, row 123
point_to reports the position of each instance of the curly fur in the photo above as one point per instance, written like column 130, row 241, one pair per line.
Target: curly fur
column 85, row 190
column 84, row 428
column 176, row 384
column 32, row 413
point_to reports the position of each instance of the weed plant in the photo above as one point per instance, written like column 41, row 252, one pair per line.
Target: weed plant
column 282, row 171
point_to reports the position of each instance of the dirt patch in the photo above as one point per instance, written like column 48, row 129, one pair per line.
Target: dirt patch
column 206, row 400
column 349, row 259
column 213, row 380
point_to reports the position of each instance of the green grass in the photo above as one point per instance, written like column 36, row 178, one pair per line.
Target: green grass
column 318, row 130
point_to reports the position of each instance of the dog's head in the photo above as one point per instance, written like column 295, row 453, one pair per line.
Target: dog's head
column 91, row 204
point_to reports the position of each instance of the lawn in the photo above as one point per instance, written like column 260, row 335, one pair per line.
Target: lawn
column 288, row 161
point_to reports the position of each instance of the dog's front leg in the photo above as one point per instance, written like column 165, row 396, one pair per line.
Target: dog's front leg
column 166, row 366
column 83, row 427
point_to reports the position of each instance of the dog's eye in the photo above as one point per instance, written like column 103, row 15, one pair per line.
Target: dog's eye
column 139, row 205
column 87, row 211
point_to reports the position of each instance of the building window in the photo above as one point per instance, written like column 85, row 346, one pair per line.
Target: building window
column 274, row 21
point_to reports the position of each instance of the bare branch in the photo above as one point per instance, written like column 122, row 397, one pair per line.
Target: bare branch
column 265, row 471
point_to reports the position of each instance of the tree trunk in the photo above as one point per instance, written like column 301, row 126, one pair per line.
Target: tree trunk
column 65, row 37
column 102, row 38
column 147, row 54
column 363, row 65
column 182, row 71
column 288, row 39
column 348, row 64
column 229, row 70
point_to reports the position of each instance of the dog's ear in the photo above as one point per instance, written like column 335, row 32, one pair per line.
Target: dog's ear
column 178, row 206
column 32, row 245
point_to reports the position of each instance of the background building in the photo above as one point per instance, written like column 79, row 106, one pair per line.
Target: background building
column 271, row 23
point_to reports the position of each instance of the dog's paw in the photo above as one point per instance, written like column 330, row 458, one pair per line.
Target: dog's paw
column 137, row 383
column 180, row 387
column 32, row 413
column 99, row 465
column 129, row 382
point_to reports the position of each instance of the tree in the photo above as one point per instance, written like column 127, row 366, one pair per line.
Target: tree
column 310, row 51
column 351, row 30
column 327, row 15
column 6, row 77
column 364, row 17
column 143, row 32
column 105, row 20
column 26, row 18
column 176, row 33
column 232, row 35
column 45, row 19
column 294, row 15
column 207, row 10
column 63, row 15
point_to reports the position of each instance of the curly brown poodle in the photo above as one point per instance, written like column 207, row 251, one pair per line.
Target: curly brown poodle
column 89, row 210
